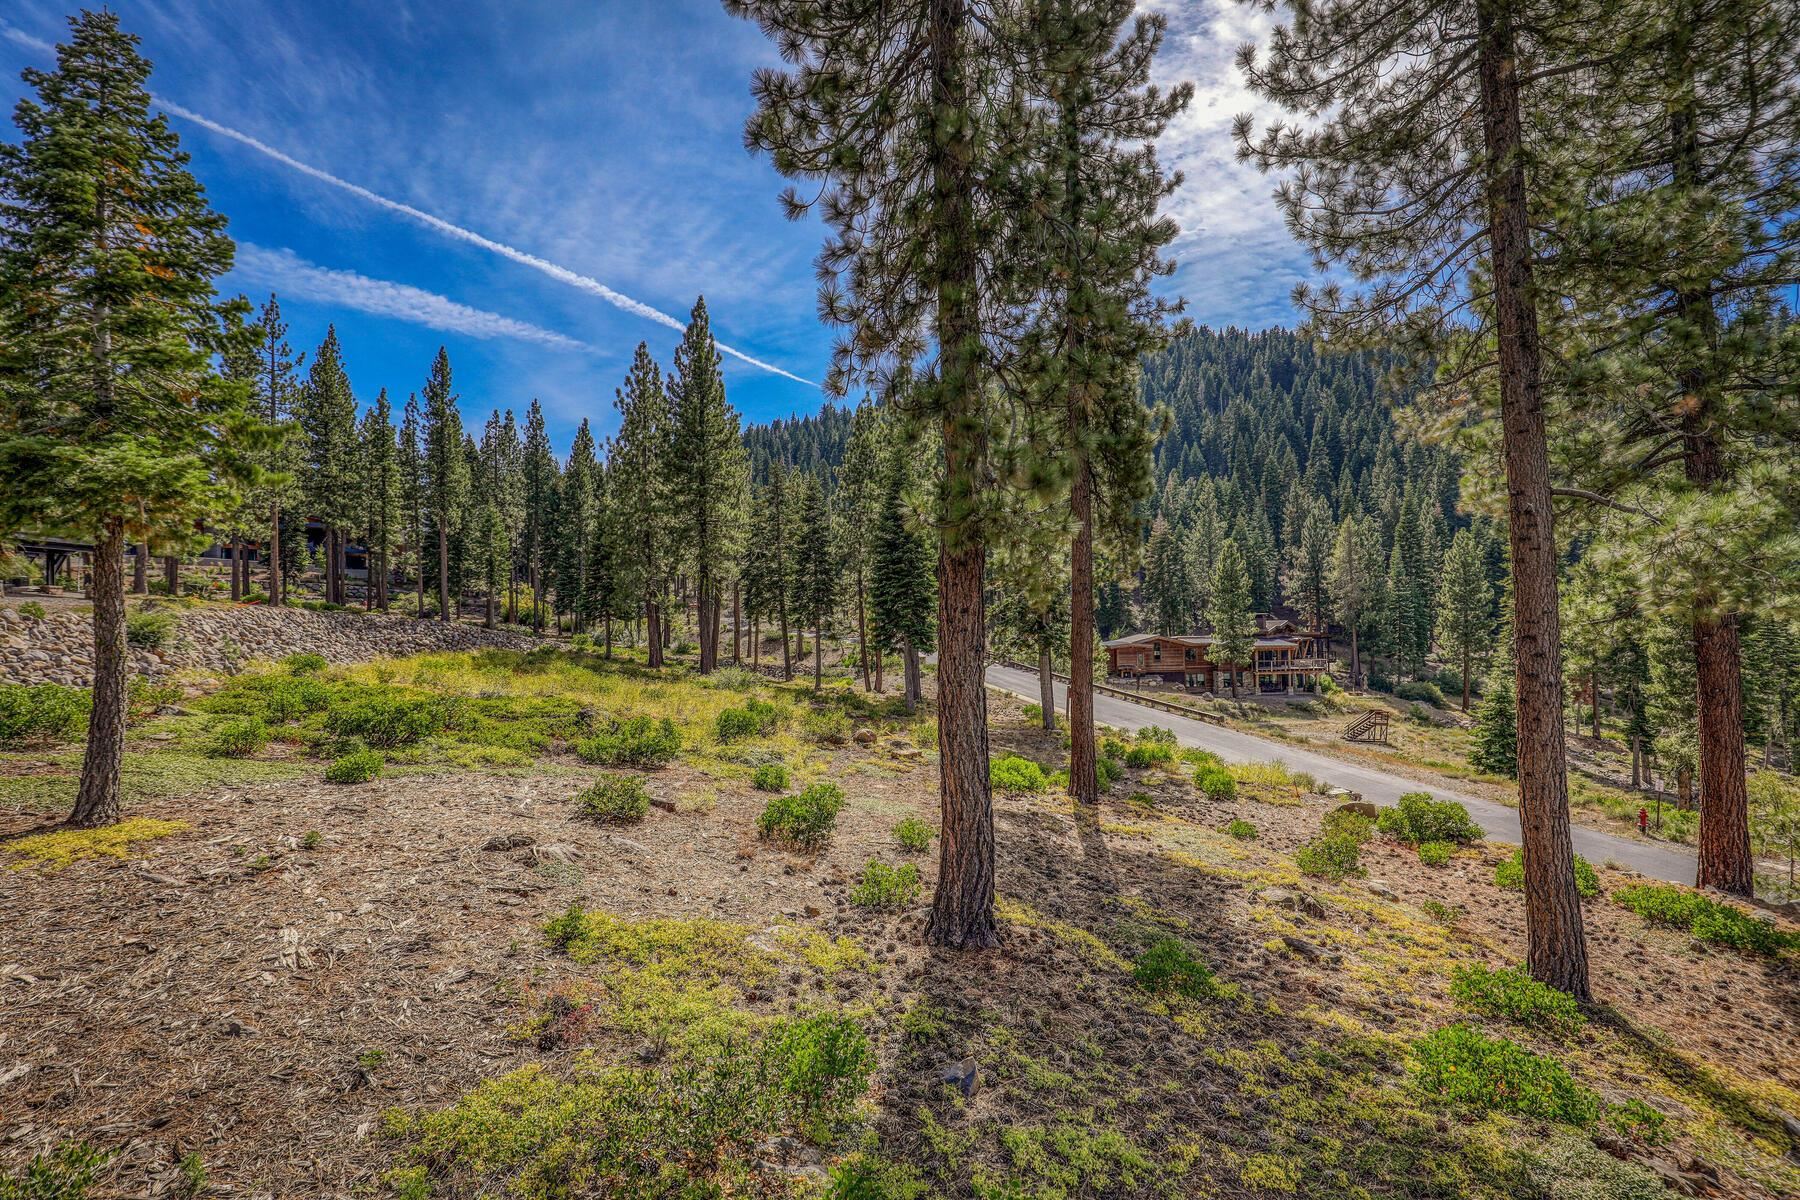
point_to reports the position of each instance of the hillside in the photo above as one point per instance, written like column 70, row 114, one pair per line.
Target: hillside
column 449, row 982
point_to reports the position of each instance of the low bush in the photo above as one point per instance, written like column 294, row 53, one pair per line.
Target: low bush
column 1329, row 686
column 770, row 777
column 1463, row 1066
column 1010, row 773
column 1241, row 829
column 240, row 737
column 886, row 888
column 913, row 835
column 1170, row 968
column 1157, row 735
column 1216, row 782
column 1418, row 818
column 1201, row 758
column 304, row 664
column 635, row 742
column 1420, row 690
column 1436, row 854
column 384, row 720
column 827, row 726
column 1331, row 856
column 755, row 718
column 1144, row 754
column 1343, row 822
column 804, row 820
column 1108, row 772
column 1706, row 919
column 65, row 1173
column 358, row 766
column 46, row 711
column 143, row 698
column 31, row 610
column 1638, row 1121
column 1510, row 875
column 871, row 1177
column 1514, row 995
column 615, row 798
column 148, row 629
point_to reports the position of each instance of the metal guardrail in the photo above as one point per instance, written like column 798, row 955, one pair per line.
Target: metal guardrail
column 1106, row 689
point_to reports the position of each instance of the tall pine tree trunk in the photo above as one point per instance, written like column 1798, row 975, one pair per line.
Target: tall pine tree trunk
column 1084, row 783
column 818, row 658
column 140, row 569
column 97, row 803
column 962, row 911
column 862, row 627
column 443, row 541
column 1046, row 686
column 237, row 568
column 787, row 658
column 172, row 574
column 275, row 553
column 653, row 631
column 1465, row 675
column 915, row 685
column 1556, row 947
column 737, row 620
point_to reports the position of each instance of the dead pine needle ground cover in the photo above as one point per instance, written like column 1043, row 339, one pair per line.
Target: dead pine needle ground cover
column 445, row 979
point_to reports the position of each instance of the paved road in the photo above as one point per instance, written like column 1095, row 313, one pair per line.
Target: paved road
column 1501, row 823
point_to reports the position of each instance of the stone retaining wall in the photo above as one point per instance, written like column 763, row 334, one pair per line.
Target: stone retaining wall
column 58, row 648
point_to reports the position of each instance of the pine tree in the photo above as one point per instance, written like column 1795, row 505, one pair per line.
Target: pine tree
column 1167, row 598
column 111, row 423
column 379, row 458
column 857, row 501
column 894, row 121
column 491, row 496
column 412, row 494
column 766, row 564
column 1494, row 743
column 817, row 570
column 1464, row 602
column 639, row 457
column 276, row 399
column 576, row 512
column 600, row 598
column 708, row 475
column 902, row 597
column 1308, row 580
column 1233, row 622
column 1426, row 201
column 537, row 489
column 328, row 425
column 1355, row 582
column 445, row 469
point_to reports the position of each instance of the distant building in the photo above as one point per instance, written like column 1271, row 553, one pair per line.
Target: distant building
column 1286, row 659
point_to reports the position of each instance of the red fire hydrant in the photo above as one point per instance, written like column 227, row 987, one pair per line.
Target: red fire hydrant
column 1643, row 820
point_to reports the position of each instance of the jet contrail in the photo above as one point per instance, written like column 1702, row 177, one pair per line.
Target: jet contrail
column 561, row 273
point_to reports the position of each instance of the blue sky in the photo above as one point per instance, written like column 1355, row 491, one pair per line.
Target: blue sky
column 603, row 139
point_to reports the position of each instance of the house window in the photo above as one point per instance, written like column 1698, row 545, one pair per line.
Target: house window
column 1189, row 654
column 1156, row 651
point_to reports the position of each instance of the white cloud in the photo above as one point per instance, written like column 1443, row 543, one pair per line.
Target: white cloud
column 13, row 33
column 553, row 270
column 290, row 275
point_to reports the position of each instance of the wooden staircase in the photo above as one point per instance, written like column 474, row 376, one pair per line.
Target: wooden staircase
column 1371, row 726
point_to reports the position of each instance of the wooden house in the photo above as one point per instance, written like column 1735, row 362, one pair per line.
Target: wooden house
column 1285, row 660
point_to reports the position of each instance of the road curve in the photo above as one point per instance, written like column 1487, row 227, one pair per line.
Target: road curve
column 1655, row 859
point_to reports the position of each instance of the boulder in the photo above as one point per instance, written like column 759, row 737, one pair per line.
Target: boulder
column 864, row 736
column 1360, row 807
column 963, row 1075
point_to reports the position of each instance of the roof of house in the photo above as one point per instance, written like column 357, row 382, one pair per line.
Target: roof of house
column 1191, row 639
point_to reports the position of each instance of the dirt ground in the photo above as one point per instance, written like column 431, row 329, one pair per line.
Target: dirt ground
column 236, row 994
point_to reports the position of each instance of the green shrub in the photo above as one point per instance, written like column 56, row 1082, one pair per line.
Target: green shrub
column 239, row 737
column 1353, row 825
column 805, row 820
column 913, row 835
column 1331, row 856
column 1436, row 854
column 1216, row 782
column 32, row 610
column 1201, row 758
column 1241, row 829
column 1108, row 772
column 637, row 742
column 149, row 630
column 1513, row 994
column 615, row 798
column 1329, row 686
column 1010, row 773
column 1148, row 753
column 359, row 766
column 312, row 840
column 871, row 1177
column 1112, row 747
column 1707, row 919
column 65, row 1173
column 1422, row 691
column 1509, row 875
column 756, row 717
column 1156, row 735
column 384, row 720
column 1463, row 1066
column 827, row 726
column 1418, row 818
column 304, row 664
column 1638, row 1121
column 886, row 888
column 1443, row 914
column 41, row 710
column 143, row 697
column 770, row 777
column 1170, row 968
column 275, row 698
